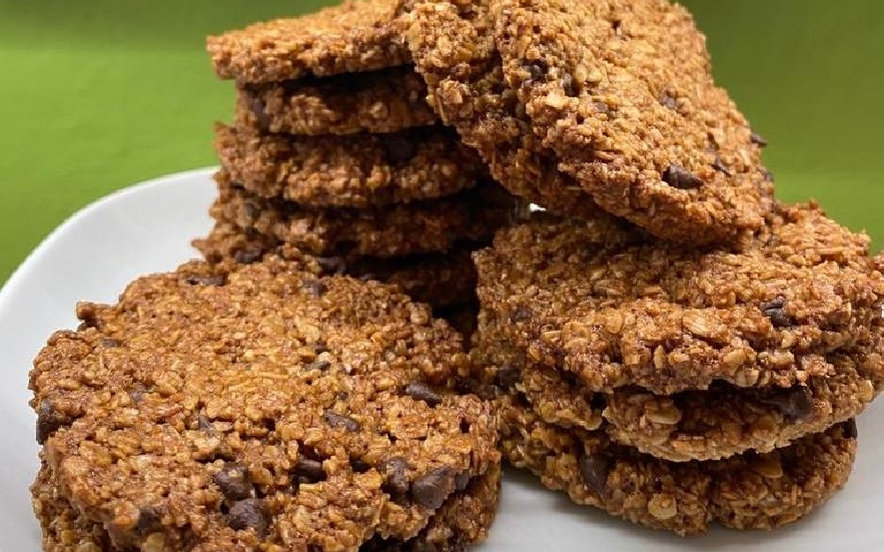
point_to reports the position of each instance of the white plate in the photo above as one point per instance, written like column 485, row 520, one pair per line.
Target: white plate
column 147, row 228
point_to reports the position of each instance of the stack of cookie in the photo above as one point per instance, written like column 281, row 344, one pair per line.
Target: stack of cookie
column 263, row 408
column 667, row 342
column 335, row 153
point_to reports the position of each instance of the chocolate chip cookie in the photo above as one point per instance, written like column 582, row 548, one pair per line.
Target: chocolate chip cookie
column 390, row 231
column 355, row 171
column 357, row 35
column 692, row 425
column 444, row 280
column 378, row 102
column 453, row 48
column 622, row 92
column 264, row 407
column 750, row 491
column 615, row 309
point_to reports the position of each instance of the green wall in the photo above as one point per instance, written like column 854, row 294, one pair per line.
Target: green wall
column 99, row 94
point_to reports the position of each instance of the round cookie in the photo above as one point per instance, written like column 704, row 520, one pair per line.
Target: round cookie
column 355, row 171
column 376, row 102
column 622, row 92
column 355, row 36
column 443, row 280
column 464, row 519
column 453, row 49
column 745, row 492
column 616, row 309
column 261, row 407
column 691, row 425
column 392, row 231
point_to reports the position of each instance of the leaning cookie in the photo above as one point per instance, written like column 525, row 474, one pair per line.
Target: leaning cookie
column 692, row 425
column 358, row 35
column 352, row 171
column 616, row 309
column 750, row 491
column 377, row 102
column 622, row 92
column 397, row 230
column 453, row 48
column 443, row 280
column 464, row 519
column 261, row 407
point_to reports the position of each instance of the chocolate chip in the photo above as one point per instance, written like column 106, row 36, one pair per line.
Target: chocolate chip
column 149, row 519
column 758, row 139
column 248, row 514
column 320, row 365
column 462, row 481
column 849, row 429
column 594, row 469
column 398, row 148
column 234, row 481
column 679, row 177
column 422, row 392
column 49, row 421
column 259, row 109
column 248, row 255
column 340, row 421
column 776, row 313
column 431, row 490
column 508, row 376
column 332, row 265
column 569, row 87
column 536, row 68
column 395, row 472
column 214, row 280
column 309, row 471
column 795, row 403
column 719, row 166
column 602, row 107
column 669, row 101
column 110, row 342
column 315, row 288
column 520, row 314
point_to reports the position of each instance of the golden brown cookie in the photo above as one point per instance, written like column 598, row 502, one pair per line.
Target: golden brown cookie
column 616, row 309
column 357, row 35
column 258, row 408
column 622, row 92
column 750, row 491
column 397, row 230
column 379, row 102
column 353, row 171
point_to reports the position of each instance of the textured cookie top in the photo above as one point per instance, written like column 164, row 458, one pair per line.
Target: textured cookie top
column 750, row 491
column 616, row 309
column 265, row 404
column 357, row 35
column 692, row 425
column 351, row 171
column 622, row 92
column 377, row 102
column 396, row 230
column 452, row 44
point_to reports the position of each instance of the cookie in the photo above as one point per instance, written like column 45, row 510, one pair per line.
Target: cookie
column 355, row 36
column 692, row 425
column 378, row 102
column 452, row 44
column 464, row 519
column 261, row 407
column 750, row 491
column 444, row 280
column 354, row 171
column 616, row 309
column 397, row 230
column 623, row 93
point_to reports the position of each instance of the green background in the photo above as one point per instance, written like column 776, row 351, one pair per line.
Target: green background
column 99, row 94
